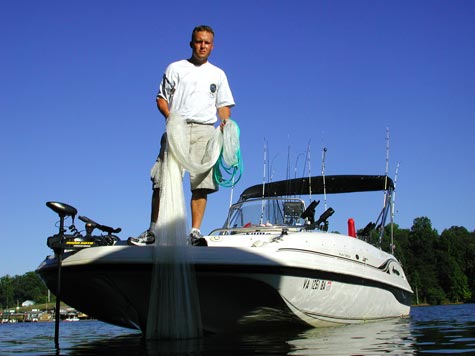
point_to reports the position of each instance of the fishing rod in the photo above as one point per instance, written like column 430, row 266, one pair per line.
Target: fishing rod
column 288, row 160
column 379, row 224
column 324, row 155
column 307, row 160
column 386, row 171
column 385, row 192
column 263, row 181
column 393, row 203
column 296, row 164
column 289, row 149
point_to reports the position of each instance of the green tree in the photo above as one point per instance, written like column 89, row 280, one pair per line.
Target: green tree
column 401, row 244
column 455, row 241
column 7, row 298
column 20, row 288
column 30, row 287
column 422, row 241
column 452, row 280
column 469, row 266
column 452, row 264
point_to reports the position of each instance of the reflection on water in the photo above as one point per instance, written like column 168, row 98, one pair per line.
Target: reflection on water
column 235, row 344
column 389, row 337
column 386, row 337
column 434, row 330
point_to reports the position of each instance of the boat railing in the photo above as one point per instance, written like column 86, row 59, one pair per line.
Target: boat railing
column 256, row 230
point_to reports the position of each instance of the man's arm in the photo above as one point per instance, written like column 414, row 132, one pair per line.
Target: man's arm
column 162, row 106
column 224, row 112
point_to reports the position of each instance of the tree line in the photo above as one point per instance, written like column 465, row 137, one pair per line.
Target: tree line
column 17, row 289
column 440, row 268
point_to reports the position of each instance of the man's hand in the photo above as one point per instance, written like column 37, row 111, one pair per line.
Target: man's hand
column 222, row 124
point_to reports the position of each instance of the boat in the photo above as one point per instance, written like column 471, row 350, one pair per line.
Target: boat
column 72, row 318
column 273, row 262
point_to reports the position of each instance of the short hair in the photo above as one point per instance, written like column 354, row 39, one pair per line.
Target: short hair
column 201, row 28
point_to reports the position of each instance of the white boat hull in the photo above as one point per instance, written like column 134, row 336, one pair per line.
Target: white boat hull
column 242, row 287
column 272, row 262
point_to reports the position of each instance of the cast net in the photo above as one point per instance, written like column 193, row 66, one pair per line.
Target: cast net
column 174, row 308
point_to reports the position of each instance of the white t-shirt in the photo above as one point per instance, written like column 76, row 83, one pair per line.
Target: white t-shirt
column 195, row 92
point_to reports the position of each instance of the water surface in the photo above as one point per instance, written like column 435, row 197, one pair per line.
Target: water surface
column 430, row 330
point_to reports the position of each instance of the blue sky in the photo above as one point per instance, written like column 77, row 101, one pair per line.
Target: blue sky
column 80, row 124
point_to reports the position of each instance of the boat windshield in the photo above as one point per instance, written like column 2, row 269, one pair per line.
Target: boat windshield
column 266, row 212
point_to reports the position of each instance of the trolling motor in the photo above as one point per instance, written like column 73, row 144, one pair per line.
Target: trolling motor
column 56, row 242
column 75, row 241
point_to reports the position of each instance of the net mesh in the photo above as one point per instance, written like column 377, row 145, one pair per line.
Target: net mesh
column 174, row 304
column 174, row 308
column 229, row 160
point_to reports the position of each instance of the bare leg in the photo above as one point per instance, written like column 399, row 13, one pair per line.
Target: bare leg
column 148, row 236
column 155, row 205
column 199, row 199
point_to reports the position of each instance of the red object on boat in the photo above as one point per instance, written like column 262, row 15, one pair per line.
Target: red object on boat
column 351, row 227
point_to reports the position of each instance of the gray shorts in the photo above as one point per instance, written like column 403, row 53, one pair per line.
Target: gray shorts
column 198, row 136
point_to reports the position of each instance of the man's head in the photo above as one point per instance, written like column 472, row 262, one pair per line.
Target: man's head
column 201, row 43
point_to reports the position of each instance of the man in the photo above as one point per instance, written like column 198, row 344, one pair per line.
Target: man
column 196, row 90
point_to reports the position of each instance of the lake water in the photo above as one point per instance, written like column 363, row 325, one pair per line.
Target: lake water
column 430, row 330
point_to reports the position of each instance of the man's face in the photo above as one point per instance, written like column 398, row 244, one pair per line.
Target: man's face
column 202, row 46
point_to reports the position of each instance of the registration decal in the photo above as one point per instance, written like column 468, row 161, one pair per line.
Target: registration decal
column 317, row 284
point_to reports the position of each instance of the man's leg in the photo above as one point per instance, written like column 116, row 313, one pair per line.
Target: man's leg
column 148, row 236
column 199, row 198
column 155, row 207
